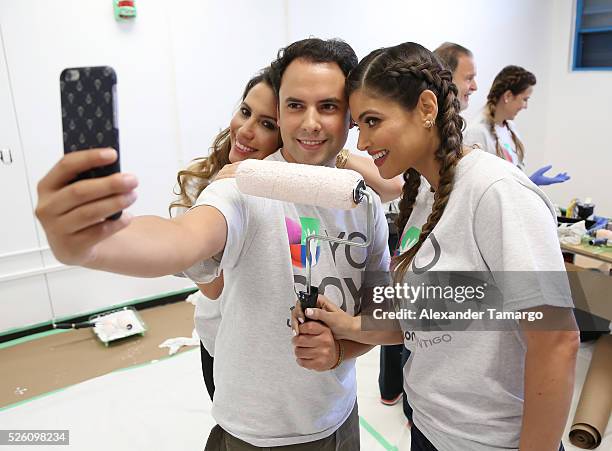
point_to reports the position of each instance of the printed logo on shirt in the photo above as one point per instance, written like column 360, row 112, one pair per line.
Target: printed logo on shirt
column 507, row 153
column 409, row 239
column 437, row 254
column 297, row 234
column 428, row 343
column 340, row 288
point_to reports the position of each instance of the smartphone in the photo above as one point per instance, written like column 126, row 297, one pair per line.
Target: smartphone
column 89, row 114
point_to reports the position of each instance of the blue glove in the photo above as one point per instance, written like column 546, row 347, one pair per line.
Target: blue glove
column 540, row 179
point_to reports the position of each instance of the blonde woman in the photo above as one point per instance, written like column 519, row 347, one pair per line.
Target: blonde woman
column 252, row 133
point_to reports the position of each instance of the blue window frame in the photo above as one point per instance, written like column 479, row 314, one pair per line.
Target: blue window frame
column 593, row 39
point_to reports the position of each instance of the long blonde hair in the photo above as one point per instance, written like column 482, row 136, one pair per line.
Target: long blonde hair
column 196, row 177
column 402, row 73
column 514, row 79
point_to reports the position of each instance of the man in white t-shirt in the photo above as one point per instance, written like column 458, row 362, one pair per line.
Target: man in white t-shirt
column 263, row 398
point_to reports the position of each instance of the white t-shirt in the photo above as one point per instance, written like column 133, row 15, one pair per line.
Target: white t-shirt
column 207, row 315
column 479, row 133
column 466, row 388
column 262, row 396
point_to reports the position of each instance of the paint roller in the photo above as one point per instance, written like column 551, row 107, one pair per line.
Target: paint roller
column 318, row 186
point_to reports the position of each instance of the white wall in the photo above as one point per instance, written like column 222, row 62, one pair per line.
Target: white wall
column 217, row 47
column 578, row 120
column 496, row 32
column 569, row 112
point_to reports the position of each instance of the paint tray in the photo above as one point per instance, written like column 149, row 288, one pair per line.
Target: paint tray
column 117, row 325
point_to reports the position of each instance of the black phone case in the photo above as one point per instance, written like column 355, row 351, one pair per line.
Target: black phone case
column 88, row 96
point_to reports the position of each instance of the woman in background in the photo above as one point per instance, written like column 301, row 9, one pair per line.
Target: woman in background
column 495, row 130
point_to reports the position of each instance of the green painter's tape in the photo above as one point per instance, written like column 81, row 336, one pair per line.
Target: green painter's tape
column 95, row 312
column 17, row 341
column 377, row 435
column 42, row 395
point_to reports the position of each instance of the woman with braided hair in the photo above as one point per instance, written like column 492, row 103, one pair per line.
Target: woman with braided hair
column 495, row 130
column 471, row 388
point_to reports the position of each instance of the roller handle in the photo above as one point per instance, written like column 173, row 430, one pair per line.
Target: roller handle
column 81, row 325
column 308, row 300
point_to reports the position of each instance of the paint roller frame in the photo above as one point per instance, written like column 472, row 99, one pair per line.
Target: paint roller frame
column 262, row 179
column 308, row 298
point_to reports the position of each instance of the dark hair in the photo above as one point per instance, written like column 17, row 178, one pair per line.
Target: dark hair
column 514, row 79
column 192, row 181
column 449, row 54
column 314, row 50
column 401, row 73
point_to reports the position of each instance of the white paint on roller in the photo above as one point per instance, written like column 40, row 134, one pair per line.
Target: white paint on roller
column 299, row 183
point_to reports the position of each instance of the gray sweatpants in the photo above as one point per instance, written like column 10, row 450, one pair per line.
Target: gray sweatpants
column 346, row 438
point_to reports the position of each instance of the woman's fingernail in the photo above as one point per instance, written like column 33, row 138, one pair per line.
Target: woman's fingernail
column 309, row 312
column 301, row 320
column 294, row 332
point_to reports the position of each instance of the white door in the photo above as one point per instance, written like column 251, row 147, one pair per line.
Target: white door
column 24, row 298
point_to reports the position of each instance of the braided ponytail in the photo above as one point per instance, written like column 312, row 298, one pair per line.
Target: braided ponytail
column 490, row 120
column 410, row 190
column 450, row 126
column 518, row 144
column 402, row 73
